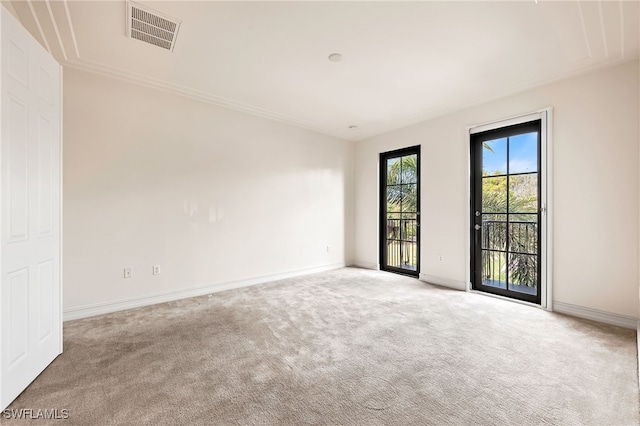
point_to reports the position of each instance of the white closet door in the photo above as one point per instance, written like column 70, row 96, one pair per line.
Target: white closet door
column 30, row 210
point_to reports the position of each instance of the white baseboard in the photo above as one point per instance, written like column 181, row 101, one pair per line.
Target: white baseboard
column 136, row 302
column 445, row 282
column 595, row 315
column 367, row 265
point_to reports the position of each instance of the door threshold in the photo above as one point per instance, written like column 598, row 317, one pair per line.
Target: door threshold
column 508, row 299
column 412, row 274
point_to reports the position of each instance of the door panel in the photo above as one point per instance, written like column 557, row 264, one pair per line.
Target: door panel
column 506, row 211
column 46, row 296
column 30, row 187
column 18, row 284
column 400, row 211
column 17, row 185
column 45, row 171
column 18, row 65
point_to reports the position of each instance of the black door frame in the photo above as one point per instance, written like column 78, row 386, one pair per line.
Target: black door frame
column 383, row 210
column 476, row 141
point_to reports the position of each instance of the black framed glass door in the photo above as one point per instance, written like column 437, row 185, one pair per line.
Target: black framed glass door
column 506, row 211
column 400, row 211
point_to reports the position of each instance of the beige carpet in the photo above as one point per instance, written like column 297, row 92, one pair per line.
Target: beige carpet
column 347, row 347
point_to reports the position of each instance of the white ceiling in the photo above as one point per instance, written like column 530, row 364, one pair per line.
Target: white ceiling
column 403, row 62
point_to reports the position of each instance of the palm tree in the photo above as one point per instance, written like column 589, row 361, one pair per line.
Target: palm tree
column 402, row 185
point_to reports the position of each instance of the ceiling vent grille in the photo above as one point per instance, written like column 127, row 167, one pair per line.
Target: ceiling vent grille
column 151, row 27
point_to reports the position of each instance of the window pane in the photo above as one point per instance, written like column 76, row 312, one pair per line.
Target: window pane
column 494, row 194
column 523, row 237
column 523, row 193
column 409, row 197
column 523, row 273
column 523, row 153
column 494, row 268
column 494, row 157
column 393, row 171
column 409, row 169
column 409, row 227
column 494, row 232
column 393, row 253
column 394, row 198
column 393, row 226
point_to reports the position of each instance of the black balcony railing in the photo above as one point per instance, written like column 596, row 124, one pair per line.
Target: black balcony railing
column 510, row 253
column 521, row 236
column 402, row 247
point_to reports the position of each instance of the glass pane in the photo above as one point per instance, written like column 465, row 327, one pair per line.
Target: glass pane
column 393, row 226
column 494, row 157
column 523, row 153
column 494, row 194
column 523, row 237
column 409, row 256
column 393, row 253
column 494, row 269
column 523, row 193
column 523, row 273
column 409, row 227
column 494, row 232
column 393, row 171
column 409, row 197
column 409, row 169
column 394, row 198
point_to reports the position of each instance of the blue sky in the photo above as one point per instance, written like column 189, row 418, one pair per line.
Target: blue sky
column 522, row 152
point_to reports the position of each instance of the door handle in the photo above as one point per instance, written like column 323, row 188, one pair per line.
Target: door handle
column 477, row 227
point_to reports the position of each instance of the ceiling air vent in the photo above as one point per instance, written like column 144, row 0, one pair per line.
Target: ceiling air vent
column 151, row 27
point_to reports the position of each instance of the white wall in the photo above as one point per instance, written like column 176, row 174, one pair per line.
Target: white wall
column 210, row 195
column 215, row 196
column 595, row 172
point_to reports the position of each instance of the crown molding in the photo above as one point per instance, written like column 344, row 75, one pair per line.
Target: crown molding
column 72, row 31
column 591, row 18
column 55, row 29
column 194, row 94
column 587, row 65
column 585, row 33
column 37, row 21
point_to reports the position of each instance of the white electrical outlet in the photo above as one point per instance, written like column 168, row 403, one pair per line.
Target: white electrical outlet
column 440, row 258
column 328, row 249
column 156, row 269
column 127, row 272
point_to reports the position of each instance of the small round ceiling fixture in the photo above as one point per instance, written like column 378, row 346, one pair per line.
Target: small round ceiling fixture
column 335, row 57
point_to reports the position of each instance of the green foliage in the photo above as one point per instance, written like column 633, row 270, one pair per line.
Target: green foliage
column 522, row 194
column 520, row 197
column 402, row 185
